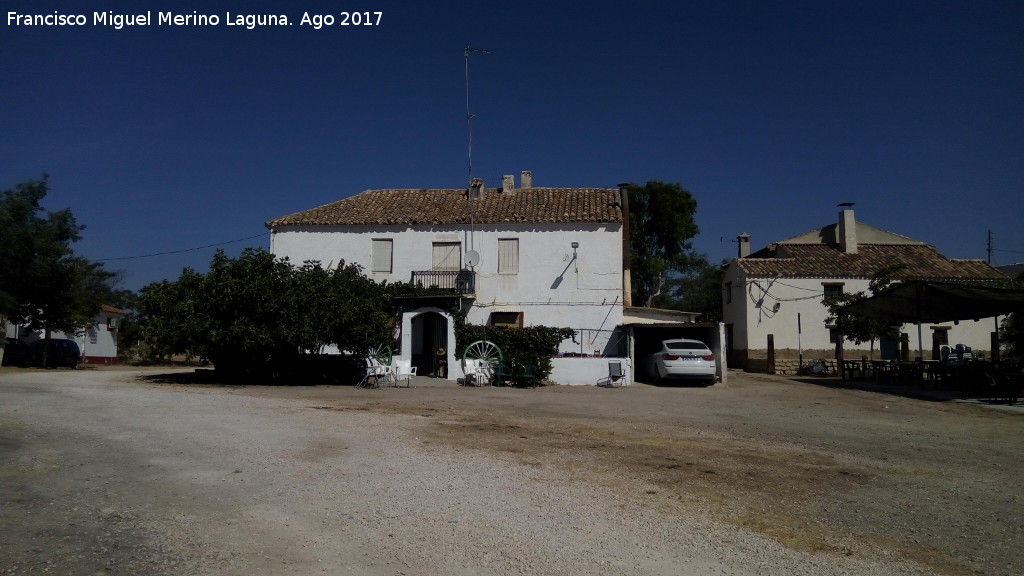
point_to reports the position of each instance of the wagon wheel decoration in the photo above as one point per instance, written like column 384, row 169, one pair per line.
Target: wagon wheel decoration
column 381, row 355
column 483, row 350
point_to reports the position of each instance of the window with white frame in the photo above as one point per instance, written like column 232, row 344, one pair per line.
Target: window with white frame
column 508, row 256
column 446, row 256
column 381, row 255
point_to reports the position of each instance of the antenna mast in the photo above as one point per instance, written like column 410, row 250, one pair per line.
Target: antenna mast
column 469, row 148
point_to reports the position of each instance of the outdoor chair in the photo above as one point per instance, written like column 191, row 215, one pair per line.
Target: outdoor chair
column 376, row 375
column 500, row 374
column 527, row 375
column 615, row 373
column 403, row 370
column 478, row 372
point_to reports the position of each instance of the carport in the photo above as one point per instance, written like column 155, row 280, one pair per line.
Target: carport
column 647, row 327
column 918, row 301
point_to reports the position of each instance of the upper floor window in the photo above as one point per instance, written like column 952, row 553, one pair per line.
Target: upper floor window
column 380, row 255
column 728, row 292
column 446, row 256
column 508, row 256
column 833, row 290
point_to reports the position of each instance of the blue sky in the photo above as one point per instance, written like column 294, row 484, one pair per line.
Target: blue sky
column 164, row 138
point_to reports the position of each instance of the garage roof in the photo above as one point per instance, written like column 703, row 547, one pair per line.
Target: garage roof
column 634, row 315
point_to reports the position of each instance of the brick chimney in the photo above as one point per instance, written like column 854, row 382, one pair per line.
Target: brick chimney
column 527, row 179
column 743, row 240
column 846, row 232
column 476, row 188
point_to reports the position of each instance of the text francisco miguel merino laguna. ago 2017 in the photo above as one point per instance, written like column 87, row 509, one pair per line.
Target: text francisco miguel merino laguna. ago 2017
column 250, row 21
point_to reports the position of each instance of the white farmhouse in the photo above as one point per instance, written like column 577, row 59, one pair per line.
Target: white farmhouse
column 776, row 293
column 517, row 256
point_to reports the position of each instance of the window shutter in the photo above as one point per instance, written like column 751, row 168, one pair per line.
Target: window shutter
column 381, row 256
column 508, row 256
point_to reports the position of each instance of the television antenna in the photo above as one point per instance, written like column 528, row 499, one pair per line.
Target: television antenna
column 469, row 114
column 472, row 257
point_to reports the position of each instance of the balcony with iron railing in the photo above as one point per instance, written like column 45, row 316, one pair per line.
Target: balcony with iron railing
column 453, row 281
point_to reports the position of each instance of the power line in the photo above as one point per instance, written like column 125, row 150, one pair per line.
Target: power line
column 179, row 251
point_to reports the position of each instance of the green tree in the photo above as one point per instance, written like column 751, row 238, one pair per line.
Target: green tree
column 255, row 315
column 43, row 285
column 697, row 289
column 129, row 329
column 1011, row 330
column 661, row 226
column 66, row 293
column 29, row 234
column 858, row 328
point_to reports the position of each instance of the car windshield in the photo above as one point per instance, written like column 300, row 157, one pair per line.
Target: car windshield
column 685, row 346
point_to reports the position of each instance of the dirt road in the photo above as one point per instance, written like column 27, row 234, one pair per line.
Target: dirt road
column 108, row 472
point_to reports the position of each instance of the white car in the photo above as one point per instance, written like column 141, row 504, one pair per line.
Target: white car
column 682, row 359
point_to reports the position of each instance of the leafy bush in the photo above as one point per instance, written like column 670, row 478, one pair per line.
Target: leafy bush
column 531, row 345
column 257, row 316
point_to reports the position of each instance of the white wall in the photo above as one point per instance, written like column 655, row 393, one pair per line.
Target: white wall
column 554, row 286
column 97, row 341
column 752, row 324
column 588, row 371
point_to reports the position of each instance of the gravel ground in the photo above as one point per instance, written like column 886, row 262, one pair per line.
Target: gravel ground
column 140, row 472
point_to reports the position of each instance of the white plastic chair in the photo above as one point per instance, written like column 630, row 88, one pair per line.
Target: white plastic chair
column 403, row 370
column 477, row 372
column 377, row 375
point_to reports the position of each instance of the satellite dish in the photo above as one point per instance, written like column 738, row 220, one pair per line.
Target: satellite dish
column 472, row 258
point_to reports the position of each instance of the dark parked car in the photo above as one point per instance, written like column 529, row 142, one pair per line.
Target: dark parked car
column 16, row 353
column 59, row 353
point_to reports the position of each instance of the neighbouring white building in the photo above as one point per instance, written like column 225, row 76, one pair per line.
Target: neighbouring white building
column 515, row 255
column 97, row 340
column 776, row 293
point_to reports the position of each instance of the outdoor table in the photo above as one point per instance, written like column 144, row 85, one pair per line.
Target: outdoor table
column 884, row 370
column 910, row 372
column 849, row 369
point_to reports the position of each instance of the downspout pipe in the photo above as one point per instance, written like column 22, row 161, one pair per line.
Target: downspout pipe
column 627, row 283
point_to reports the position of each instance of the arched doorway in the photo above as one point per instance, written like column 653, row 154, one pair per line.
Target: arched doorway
column 430, row 331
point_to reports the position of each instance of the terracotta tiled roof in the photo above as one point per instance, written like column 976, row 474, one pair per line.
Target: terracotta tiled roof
column 108, row 309
column 450, row 206
column 919, row 261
